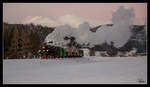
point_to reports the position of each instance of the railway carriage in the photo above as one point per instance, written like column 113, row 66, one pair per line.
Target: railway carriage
column 50, row 51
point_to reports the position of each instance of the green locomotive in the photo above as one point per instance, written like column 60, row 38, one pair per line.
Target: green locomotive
column 50, row 51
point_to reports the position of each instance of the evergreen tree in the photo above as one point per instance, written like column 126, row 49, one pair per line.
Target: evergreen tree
column 13, row 49
column 6, row 38
column 23, row 43
column 19, row 43
column 35, row 43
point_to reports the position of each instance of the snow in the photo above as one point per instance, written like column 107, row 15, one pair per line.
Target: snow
column 87, row 70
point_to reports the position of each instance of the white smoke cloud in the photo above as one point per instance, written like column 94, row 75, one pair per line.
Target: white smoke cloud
column 83, row 33
column 119, row 33
column 58, row 35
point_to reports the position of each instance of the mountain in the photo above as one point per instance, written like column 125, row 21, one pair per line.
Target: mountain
column 70, row 19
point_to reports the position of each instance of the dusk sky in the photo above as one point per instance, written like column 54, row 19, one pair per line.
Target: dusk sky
column 17, row 12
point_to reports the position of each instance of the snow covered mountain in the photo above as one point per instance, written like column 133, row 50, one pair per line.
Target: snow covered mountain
column 69, row 19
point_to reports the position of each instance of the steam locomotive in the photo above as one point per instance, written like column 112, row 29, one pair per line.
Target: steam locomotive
column 50, row 51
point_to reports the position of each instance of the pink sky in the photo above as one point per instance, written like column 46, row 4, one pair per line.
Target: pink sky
column 96, row 11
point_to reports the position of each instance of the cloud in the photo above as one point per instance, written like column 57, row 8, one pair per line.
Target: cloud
column 69, row 19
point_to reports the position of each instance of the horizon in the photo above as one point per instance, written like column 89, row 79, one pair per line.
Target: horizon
column 69, row 13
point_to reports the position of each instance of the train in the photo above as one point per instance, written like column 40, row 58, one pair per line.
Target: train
column 51, row 51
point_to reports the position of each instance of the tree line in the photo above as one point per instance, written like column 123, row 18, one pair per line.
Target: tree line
column 23, row 40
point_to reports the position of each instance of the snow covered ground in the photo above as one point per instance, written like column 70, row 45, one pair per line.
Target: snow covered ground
column 89, row 70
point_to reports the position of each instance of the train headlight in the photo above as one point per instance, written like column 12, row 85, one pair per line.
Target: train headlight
column 46, row 50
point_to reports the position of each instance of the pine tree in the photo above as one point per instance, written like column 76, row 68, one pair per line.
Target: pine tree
column 6, row 38
column 35, row 42
column 24, row 44
column 20, row 45
column 13, row 50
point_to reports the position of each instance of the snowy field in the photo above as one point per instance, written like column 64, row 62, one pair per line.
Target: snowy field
column 92, row 70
